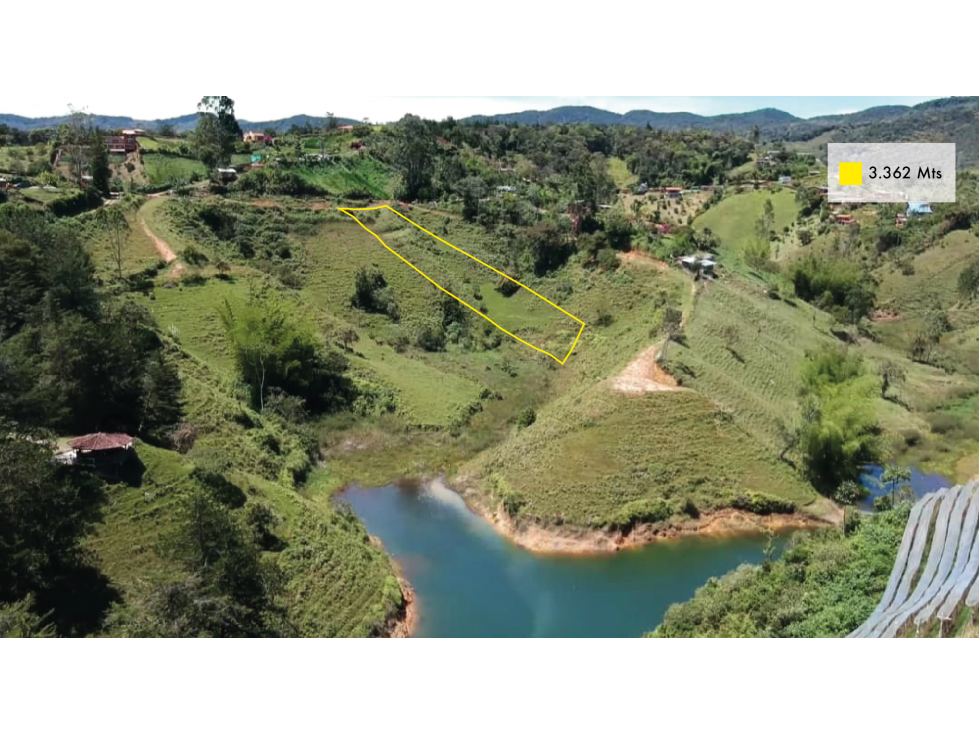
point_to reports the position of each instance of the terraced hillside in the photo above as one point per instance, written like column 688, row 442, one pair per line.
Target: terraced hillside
column 940, row 596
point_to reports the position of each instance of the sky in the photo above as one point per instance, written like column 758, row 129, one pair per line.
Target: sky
column 261, row 107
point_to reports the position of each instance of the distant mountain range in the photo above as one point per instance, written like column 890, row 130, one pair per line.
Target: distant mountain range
column 184, row 123
column 952, row 119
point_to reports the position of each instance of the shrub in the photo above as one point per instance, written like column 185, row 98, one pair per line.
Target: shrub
column 193, row 255
column 182, row 438
column 911, row 436
column 526, row 417
column 883, row 503
column 640, row 512
column 607, row 259
column 506, row 286
column 850, row 492
column 431, row 338
column 762, row 504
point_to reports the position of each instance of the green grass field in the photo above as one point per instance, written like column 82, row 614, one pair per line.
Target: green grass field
column 162, row 170
column 154, row 143
column 351, row 175
column 733, row 220
column 621, row 175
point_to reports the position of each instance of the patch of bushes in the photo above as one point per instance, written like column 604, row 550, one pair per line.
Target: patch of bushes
column 431, row 338
column 75, row 203
column 640, row 512
column 759, row 503
column 372, row 294
column 526, row 417
column 274, row 181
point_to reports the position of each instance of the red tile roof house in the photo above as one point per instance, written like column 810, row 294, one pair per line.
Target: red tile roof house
column 103, row 452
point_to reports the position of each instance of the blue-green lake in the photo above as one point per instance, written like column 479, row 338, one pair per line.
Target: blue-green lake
column 472, row 582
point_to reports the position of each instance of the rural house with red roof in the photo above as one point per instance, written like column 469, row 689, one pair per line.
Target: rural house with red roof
column 102, row 452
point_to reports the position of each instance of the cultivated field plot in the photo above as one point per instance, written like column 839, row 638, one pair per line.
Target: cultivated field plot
column 407, row 250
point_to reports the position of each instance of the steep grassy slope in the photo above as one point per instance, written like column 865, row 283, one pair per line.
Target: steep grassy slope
column 744, row 351
column 934, row 280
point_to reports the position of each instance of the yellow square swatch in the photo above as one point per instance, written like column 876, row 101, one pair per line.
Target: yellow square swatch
column 851, row 174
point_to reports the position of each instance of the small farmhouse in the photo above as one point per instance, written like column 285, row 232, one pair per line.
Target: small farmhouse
column 105, row 453
column 227, row 174
column 916, row 209
column 674, row 192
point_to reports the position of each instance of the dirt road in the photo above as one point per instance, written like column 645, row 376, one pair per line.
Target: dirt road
column 641, row 258
column 162, row 247
column 645, row 375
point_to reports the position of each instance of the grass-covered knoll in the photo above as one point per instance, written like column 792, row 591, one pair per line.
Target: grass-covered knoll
column 733, row 219
column 603, row 459
column 594, row 453
column 824, row 585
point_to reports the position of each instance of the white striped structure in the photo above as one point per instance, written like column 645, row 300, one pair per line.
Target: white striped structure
column 945, row 523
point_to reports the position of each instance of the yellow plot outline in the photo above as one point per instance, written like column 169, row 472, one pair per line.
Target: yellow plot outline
column 542, row 351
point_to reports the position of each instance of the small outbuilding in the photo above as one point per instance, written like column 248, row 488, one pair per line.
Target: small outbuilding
column 917, row 209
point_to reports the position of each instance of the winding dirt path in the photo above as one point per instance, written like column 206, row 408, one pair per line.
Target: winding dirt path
column 162, row 247
column 166, row 252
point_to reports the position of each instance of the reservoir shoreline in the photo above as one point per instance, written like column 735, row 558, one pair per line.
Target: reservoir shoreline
column 475, row 581
column 569, row 540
